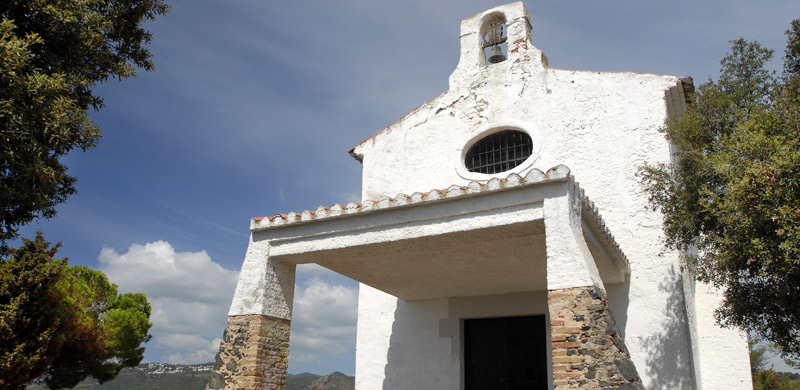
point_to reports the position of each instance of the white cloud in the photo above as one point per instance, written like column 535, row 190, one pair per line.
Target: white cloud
column 324, row 319
column 347, row 197
column 305, row 271
column 197, row 353
column 181, row 340
column 189, row 294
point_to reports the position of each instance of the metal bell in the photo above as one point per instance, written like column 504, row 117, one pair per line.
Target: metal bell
column 497, row 55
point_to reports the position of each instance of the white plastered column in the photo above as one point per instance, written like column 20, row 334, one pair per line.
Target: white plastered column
column 254, row 352
column 266, row 286
column 569, row 261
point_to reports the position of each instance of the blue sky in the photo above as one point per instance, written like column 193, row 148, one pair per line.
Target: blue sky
column 253, row 106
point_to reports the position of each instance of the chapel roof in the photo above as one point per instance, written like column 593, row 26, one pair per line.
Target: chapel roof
column 534, row 177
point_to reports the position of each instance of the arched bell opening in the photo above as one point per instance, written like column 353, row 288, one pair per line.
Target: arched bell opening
column 494, row 36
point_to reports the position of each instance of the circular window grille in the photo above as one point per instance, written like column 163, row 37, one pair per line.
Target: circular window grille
column 499, row 152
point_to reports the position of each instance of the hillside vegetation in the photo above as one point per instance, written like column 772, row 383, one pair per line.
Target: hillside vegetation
column 159, row 376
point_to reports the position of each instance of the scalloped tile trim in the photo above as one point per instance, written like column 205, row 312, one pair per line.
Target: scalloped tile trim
column 557, row 173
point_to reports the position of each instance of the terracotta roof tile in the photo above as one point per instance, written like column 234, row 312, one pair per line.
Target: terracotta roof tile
column 557, row 173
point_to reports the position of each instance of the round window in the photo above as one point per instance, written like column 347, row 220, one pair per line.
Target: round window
column 499, row 152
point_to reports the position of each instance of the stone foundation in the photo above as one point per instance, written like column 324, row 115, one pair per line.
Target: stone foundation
column 588, row 352
column 254, row 354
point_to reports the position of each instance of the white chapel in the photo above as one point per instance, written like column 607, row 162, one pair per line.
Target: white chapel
column 503, row 241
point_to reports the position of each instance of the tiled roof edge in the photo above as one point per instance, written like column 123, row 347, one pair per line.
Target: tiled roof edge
column 534, row 176
column 557, row 173
column 554, row 174
column 594, row 213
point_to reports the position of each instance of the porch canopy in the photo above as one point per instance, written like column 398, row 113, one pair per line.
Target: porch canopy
column 537, row 232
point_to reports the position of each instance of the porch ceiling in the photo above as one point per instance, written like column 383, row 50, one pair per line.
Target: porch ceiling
column 495, row 260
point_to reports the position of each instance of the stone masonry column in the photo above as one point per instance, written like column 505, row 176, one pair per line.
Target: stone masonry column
column 254, row 352
column 588, row 352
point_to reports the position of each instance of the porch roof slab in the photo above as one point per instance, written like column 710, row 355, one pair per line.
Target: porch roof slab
column 479, row 239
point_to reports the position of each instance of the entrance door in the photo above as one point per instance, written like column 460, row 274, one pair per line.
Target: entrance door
column 505, row 353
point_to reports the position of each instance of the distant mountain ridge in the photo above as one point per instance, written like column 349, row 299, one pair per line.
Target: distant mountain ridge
column 334, row 381
column 158, row 376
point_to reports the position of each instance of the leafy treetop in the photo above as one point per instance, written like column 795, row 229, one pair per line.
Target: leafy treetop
column 52, row 53
column 64, row 323
column 731, row 201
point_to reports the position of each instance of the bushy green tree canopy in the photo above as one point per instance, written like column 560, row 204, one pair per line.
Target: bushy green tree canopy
column 734, row 192
column 64, row 323
column 57, row 322
column 52, row 53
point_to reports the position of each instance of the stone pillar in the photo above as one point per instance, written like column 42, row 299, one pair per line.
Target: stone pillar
column 588, row 352
column 254, row 354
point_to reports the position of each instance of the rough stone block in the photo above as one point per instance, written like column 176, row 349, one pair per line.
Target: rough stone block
column 587, row 350
column 253, row 354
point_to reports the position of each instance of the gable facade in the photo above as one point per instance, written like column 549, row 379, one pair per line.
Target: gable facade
column 440, row 250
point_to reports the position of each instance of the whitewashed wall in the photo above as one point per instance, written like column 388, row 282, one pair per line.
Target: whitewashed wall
column 603, row 126
column 422, row 350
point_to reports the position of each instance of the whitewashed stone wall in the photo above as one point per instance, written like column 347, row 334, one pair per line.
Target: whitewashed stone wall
column 604, row 126
column 416, row 345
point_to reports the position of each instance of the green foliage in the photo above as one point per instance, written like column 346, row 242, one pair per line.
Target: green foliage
column 182, row 377
column 791, row 65
column 27, row 312
column 59, row 322
column 52, row 53
column 765, row 377
column 758, row 356
column 734, row 192
column 768, row 380
column 64, row 323
column 791, row 380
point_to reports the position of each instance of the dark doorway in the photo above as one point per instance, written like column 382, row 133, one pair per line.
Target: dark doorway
column 507, row 353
